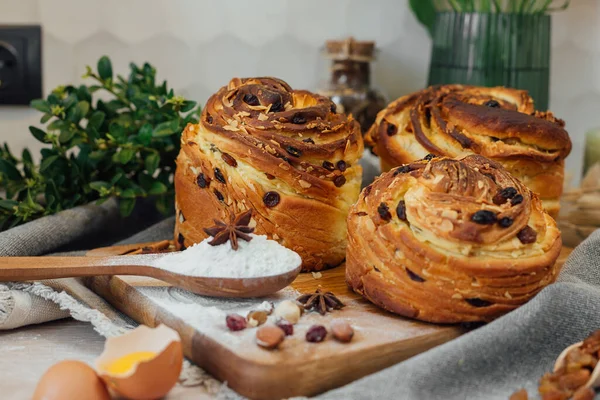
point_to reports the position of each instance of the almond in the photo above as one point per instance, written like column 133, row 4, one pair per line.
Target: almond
column 342, row 331
column 269, row 336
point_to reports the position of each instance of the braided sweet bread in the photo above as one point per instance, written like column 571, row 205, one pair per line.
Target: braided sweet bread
column 450, row 241
column 284, row 153
column 498, row 123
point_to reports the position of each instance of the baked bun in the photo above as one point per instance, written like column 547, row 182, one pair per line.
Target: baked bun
column 450, row 241
column 284, row 153
column 498, row 123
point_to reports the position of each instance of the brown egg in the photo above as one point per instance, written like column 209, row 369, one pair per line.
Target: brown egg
column 142, row 364
column 70, row 380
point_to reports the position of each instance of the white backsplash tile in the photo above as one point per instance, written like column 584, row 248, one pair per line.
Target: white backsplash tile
column 198, row 45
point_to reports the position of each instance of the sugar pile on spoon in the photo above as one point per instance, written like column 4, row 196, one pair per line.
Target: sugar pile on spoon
column 253, row 259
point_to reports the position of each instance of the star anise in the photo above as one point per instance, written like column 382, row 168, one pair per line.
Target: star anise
column 320, row 301
column 236, row 229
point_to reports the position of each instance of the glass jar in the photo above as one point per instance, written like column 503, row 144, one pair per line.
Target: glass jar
column 347, row 80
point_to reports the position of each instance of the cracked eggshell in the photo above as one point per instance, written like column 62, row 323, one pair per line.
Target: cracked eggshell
column 150, row 379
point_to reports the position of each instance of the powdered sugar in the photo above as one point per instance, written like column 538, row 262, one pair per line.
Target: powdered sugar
column 256, row 258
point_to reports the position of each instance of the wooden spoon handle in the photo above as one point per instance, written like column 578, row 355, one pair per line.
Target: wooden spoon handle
column 36, row 268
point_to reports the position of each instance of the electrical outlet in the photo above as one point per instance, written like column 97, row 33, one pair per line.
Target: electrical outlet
column 20, row 64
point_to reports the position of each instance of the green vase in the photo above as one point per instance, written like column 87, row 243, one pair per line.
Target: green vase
column 485, row 49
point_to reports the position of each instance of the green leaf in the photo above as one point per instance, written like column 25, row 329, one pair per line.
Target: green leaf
column 425, row 12
column 158, row 188
column 94, row 88
column 145, row 134
column 117, row 131
column 127, row 194
column 164, row 204
column 126, row 206
column 83, row 107
column 188, row 105
column 70, row 101
column 151, row 162
column 166, row 128
column 8, row 204
column 10, row 171
column 47, row 162
column 40, row 105
column 96, row 119
column 26, row 156
column 105, row 68
column 116, row 178
column 38, row 134
column 125, row 155
column 66, row 135
column 99, row 185
column 45, row 118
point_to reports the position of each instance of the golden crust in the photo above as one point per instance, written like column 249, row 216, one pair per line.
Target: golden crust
column 454, row 121
column 415, row 250
column 256, row 137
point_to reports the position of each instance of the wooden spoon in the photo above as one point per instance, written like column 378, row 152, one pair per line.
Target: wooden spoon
column 38, row 268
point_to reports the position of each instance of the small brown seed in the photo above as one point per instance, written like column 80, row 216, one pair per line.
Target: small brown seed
column 269, row 336
column 256, row 318
column 229, row 160
column 341, row 330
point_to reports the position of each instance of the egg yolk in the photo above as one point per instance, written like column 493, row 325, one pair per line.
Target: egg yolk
column 125, row 363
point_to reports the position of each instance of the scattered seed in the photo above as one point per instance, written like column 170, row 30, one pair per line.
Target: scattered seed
column 229, row 160
column 219, row 176
column 316, row 334
column 339, row 180
column 293, row 151
column 401, row 210
column 271, row 199
column 527, row 235
column 328, row 166
column 384, row 212
column 269, row 336
column 341, row 165
column 235, row 322
column 341, row 330
column 505, row 222
column 477, row 302
column 202, row 180
column 484, row 217
column 518, row 199
column 257, row 318
column 251, row 99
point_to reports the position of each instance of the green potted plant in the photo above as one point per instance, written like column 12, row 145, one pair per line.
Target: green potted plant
column 490, row 42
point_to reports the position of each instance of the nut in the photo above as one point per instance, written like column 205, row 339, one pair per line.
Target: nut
column 257, row 318
column 269, row 336
column 286, row 327
column 342, row 330
column 289, row 311
column 235, row 322
column 316, row 334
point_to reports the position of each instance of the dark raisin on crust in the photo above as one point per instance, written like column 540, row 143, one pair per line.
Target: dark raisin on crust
column 202, row 180
column 484, row 217
column 251, row 99
column 367, row 190
column 229, row 160
column 308, row 140
column 276, row 107
column 339, row 180
column 209, row 119
column 293, row 151
column 271, row 199
column 219, row 195
column 298, row 119
column 477, row 302
column 527, row 235
column 269, row 176
column 518, row 199
column 401, row 210
column 504, row 194
column 391, row 129
column 328, row 166
column 180, row 239
column 219, row 176
column 376, row 269
column 341, row 165
column 414, row 276
column 361, row 213
column 403, row 169
column 492, row 104
column 491, row 176
column 333, row 108
column 429, row 157
column 505, row 222
column 384, row 212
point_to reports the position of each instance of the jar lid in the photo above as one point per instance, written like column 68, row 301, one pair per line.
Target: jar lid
column 350, row 49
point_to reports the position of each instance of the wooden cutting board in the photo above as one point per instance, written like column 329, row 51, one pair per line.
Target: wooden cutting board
column 297, row 368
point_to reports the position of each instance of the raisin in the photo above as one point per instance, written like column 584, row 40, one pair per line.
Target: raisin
column 429, row 157
column 333, row 108
column 391, row 129
column 494, row 138
column 414, row 276
column 341, row 165
column 339, row 180
column 316, row 334
column 202, row 180
column 293, row 151
column 276, row 107
column 269, row 176
column 401, row 210
column 219, row 195
column 367, row 190
column 235, row 322
column 271, row 199
column 308, row 140
column 180, row 239
column 527, row 235
column 403, row 169
column 384, row 212
column 505, row 222
column 492, row 104
column 476, row 302
column 504, row 194
column 229, row 160
column 298, row 119
column 209, row 119
column 328, row 166
column 219, row 175
column 518, row 199
column 286, row 327
column 251, row 99
column 484, row 217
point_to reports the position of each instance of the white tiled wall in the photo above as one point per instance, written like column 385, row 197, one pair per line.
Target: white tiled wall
column 198, row 45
